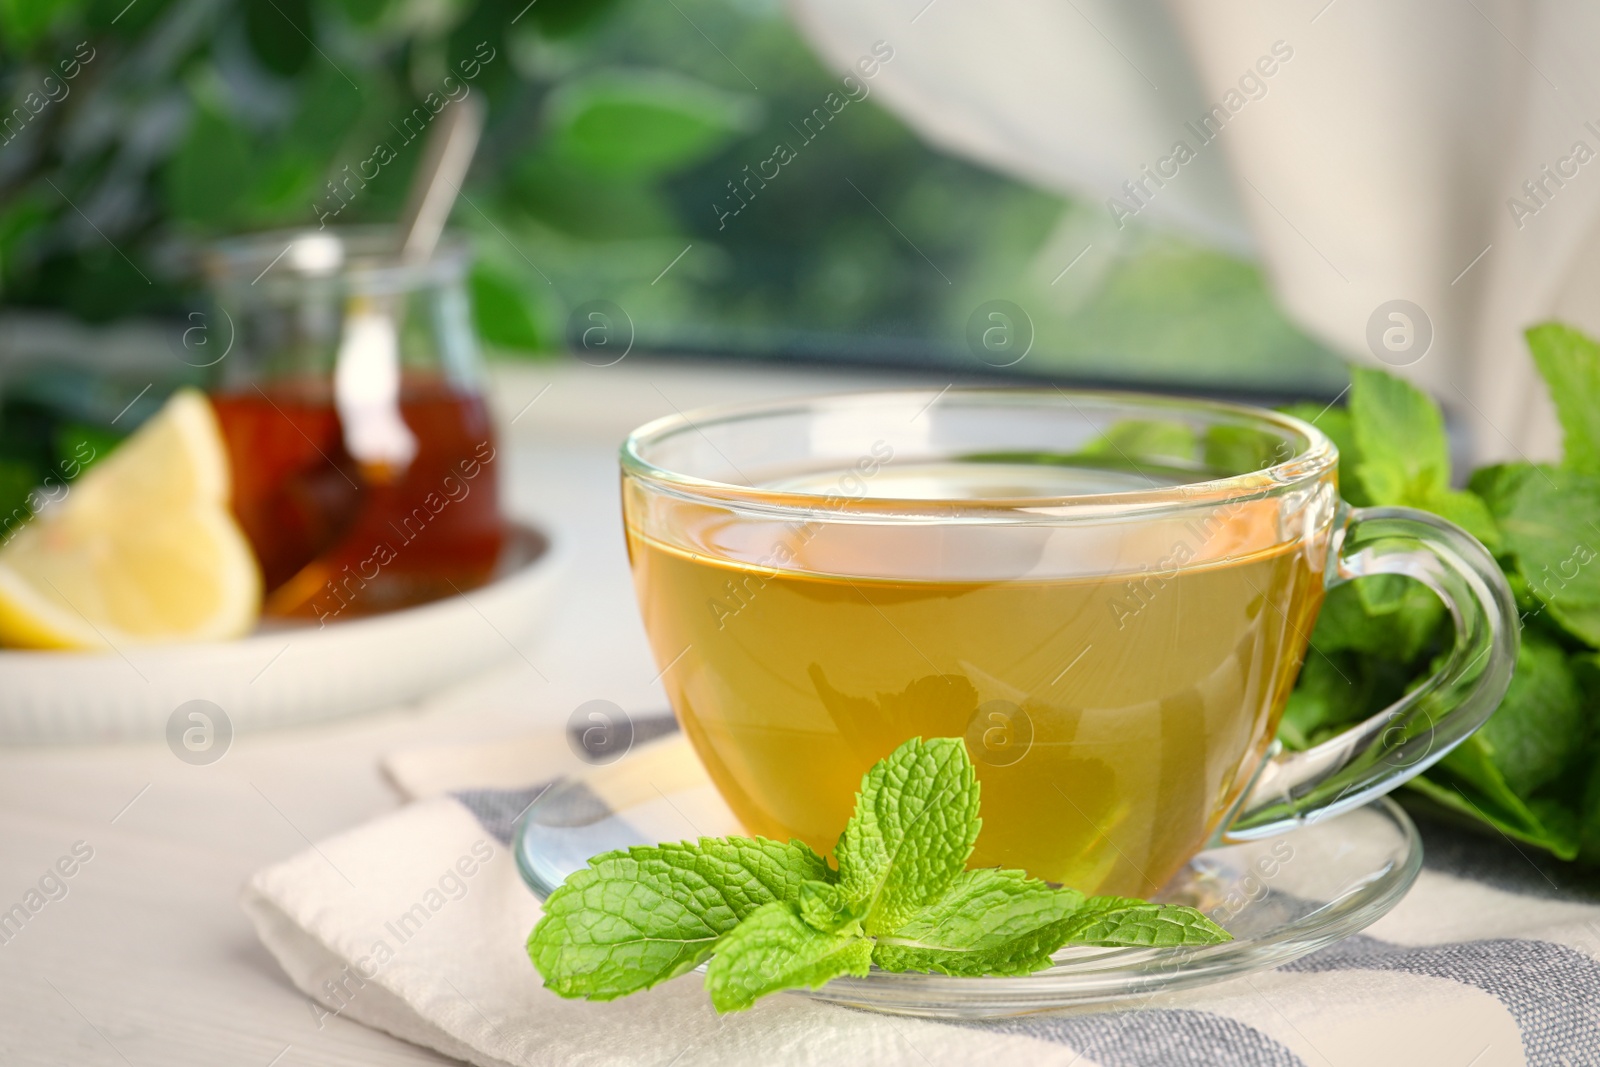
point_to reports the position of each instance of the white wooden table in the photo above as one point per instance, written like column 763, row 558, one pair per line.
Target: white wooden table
column 147, row 959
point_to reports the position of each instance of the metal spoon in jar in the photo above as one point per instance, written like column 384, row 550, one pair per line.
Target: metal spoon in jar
column 366, row 375
column 366, row 372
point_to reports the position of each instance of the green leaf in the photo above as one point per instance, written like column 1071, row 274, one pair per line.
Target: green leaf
column 824, row 907
column 24, row 220
column 1570, row 365
column 1467, row 782
column 1386, row 616
column 1324, row 700
column 119, row 20
column 1338, row 691
column 325, row 114
column 502, row 314
column 1405, row 455
column 641, row 124
column 17, row 479
column 280, row 33
column 1130, row 921
column 635, row 918
column 24, row 22
column 562, row 18
column 1467, row 511
column 1497, row 485
column 1538, row 730
column 362, row 12
column 285, row 182
column 1551, row 527
column 1470, row 781
column 579, row 202
column 914, row 826
column 207, row 179
column 78, row 446
column 988, row 922
column 775, row 949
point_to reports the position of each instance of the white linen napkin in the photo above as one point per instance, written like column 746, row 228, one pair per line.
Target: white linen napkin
column 415, row 924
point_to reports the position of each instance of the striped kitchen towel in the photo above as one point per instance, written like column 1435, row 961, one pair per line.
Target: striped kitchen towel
column 415, row 924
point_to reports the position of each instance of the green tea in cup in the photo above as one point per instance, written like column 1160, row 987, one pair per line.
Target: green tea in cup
column 1108, row 597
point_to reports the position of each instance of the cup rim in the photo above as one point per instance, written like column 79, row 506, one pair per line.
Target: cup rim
column 1312, row 461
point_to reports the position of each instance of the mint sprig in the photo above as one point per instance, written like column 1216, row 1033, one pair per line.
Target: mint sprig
column 1533, row 771
column 773, row 916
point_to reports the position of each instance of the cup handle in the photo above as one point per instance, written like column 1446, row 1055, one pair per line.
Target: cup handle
column 1412, row 734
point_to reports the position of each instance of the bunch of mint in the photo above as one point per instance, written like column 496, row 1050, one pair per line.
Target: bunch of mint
column 1532, row 771
column 774, row 916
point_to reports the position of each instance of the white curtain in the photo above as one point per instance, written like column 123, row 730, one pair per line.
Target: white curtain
column 1363, row 151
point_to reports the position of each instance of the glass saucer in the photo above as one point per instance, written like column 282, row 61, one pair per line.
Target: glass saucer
column 1281, row 898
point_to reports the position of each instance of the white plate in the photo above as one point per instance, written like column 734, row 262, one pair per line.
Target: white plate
column 283, row 673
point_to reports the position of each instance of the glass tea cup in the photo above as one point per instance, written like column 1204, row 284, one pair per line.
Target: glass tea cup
column 1108, row 596
column 351, row 399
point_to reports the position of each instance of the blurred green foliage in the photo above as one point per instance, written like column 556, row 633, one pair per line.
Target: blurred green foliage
column 621, row 135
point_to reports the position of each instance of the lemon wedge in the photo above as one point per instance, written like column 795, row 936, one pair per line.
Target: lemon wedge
column 141, row 550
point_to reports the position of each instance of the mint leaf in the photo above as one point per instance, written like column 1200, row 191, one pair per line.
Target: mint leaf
column 987, row 922
column 1404, row 453
column 1335, row 694
column 635, row 918
column 1538, row 730
column 1130, row 921
column 1382, row 594
column 1325, row 700
column 1399, row 432
column 1569, row 362
column 1467, row 781
column 1496, row 485
column 824, row 907
column 774, row 949
column 914, row 826
column 1368, row 616
column 1552, row 527
column 1467, row 511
